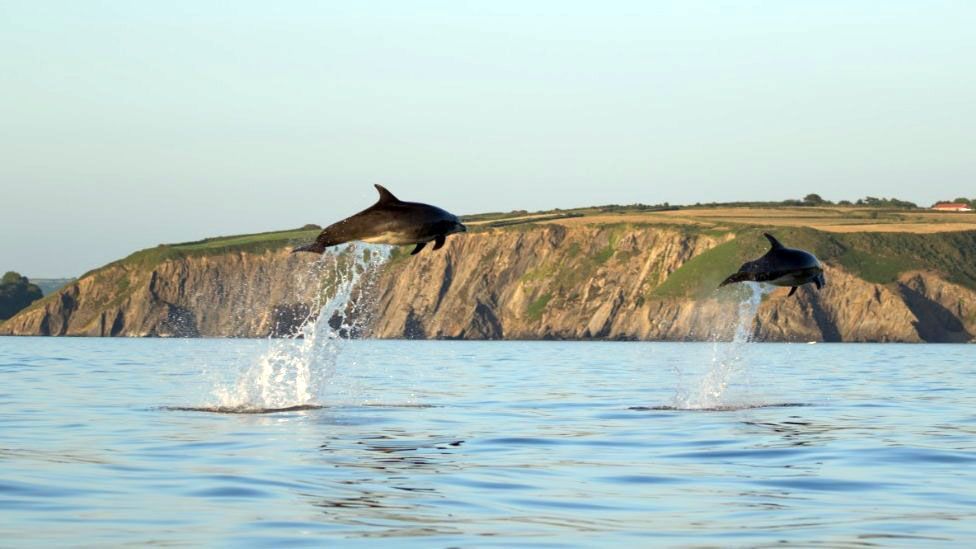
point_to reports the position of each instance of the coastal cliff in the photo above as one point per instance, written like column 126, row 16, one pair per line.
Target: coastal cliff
column 552, row 280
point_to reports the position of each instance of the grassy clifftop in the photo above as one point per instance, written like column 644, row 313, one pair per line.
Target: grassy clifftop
column 878, row 257
column 250, row 243
column 873, row 242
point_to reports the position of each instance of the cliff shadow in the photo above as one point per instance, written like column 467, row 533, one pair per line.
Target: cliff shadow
column 413, row 327
column 935, row 324
column 484, row 324
column 831, row 334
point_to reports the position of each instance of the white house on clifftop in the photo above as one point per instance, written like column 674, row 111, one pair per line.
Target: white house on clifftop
column 952, row 207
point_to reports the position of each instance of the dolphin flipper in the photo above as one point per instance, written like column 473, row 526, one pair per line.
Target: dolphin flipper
column 439, row 241
column 792, row 291
column 420, row 246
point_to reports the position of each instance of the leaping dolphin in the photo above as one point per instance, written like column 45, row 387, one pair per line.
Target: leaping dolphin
column 390, row 221
column 781, row 266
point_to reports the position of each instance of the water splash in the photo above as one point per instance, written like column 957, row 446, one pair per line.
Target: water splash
column 297, row 368
column 727, row 366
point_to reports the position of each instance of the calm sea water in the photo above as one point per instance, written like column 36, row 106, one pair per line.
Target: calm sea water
column 438, row 444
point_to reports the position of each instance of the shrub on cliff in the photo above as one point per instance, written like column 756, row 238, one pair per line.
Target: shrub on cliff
column 16, row 292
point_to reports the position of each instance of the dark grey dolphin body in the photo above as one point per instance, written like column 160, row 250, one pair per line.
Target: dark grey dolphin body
column 390, row 221
column 781, row 266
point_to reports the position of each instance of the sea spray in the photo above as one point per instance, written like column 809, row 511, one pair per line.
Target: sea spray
column 297, row 368
column 728, row 361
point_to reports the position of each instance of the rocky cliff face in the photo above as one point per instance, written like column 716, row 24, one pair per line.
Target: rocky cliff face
column 546, row 281
column 550, row 282
column 232, row 295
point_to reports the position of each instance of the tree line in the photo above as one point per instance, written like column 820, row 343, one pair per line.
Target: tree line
column 16, row 293
column 814, row 199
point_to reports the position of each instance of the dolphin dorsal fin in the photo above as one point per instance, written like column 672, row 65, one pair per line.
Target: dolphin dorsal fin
column 386, row 197
column 773, row 242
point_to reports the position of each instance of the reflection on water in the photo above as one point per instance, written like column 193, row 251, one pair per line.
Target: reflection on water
column 392, row 486
column 248, row 410
column 795, row 431
column 717, row 408
column 493, row 443
column 243, row 409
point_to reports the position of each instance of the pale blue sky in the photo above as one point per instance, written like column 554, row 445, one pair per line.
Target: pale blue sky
column 126, row 124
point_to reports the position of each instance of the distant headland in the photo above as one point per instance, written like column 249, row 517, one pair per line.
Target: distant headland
column 896, row 272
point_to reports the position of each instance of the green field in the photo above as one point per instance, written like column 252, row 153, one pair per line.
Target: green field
column 875, row 257
column 250, row 243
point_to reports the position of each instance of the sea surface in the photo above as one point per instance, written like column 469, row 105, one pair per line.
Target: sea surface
column 107, row 442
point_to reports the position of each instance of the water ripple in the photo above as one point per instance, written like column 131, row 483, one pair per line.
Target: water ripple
column 438, row 444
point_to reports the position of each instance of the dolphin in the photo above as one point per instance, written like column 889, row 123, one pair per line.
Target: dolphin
column 390, row 221
column 781, row 266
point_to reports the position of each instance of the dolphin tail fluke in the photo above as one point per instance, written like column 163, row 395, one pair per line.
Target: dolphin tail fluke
column 314, row 247
column 737, row 277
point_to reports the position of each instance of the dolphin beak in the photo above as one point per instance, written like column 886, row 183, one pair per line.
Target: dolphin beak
column 462, row 228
